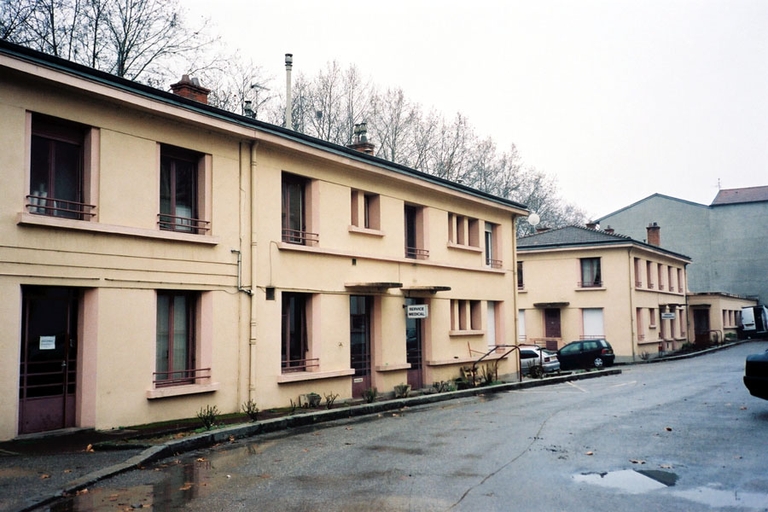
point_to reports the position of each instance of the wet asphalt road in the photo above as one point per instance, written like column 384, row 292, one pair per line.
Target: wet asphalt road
column 673, row 436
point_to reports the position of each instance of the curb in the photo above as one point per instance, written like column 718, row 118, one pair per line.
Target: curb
column 206, row 439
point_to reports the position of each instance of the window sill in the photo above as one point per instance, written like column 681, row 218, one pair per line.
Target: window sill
column 29, row 219
column 462, row 247
column 287, row 378
column 191, row 389
column 522, row 290
column 393, row 367
column 365, row 231
column 469, row 332
column 590, row 289
column 648, row 342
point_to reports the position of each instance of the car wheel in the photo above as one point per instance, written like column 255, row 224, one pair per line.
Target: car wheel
column 537, row 372
column 598, row 362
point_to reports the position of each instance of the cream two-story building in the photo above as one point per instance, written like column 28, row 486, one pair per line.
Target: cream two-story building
column 160, row 255
column 581, row 282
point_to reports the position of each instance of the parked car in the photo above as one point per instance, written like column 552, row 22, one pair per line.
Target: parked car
column 756, row 375
column 536, row 361
column 594, row 353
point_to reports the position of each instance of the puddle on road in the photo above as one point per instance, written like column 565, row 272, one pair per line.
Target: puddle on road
column 630, row 480
column 721, row 498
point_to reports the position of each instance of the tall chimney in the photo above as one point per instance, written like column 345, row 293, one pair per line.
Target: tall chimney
column 288, row 96
column 191, row 88
column 591, row 225
column 654, row 234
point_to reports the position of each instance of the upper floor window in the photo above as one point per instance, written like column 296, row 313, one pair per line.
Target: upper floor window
column 366, row 210
column 57, row 171
column 638, row 272
column 463, row 230
column 296, row 205
column 492, row 248
column 415, row 233
column 591, row 275
column 660, row 269
column 181, row 191
column 680, row 283
column 520, row 278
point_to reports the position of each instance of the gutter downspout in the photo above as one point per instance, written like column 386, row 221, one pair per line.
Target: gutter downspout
column 632, row 312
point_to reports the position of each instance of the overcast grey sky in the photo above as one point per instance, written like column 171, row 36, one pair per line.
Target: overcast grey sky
column 616, row 99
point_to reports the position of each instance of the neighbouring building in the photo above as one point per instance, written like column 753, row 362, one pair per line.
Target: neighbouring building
column 716, row 317
column 725, row 240
column 580, row 282
column 160, row 255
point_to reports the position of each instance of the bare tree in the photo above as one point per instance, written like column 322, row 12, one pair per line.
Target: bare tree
column 146, row 40
column 237, row 85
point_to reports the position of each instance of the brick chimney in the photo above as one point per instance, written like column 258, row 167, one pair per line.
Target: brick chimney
column 592, row 225
column 360, row 142
column 191, row 88
column 609, row 230
column 654, row 234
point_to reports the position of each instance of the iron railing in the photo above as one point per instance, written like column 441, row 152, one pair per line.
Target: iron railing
column 178, row 223
column 177, row 377
column 299, row 365
column 54, row 207
column 296, row 236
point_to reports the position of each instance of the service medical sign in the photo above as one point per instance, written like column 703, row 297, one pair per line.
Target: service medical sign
column 417, row 311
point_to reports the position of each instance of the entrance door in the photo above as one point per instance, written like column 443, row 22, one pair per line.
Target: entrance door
column 360, row 307
column 552, row 323
column 48, row 366
column 701, row 325
column 414, row 334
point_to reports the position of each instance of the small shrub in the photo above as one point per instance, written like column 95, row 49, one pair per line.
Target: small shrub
column 370, row 394
column 251, row 410
column 645, row 355
column 402, row 390
column 313, row 400
column 293, row 405
column 329, row 399
column 208, row 416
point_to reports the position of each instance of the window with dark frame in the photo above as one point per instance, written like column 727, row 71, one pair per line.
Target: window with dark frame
column 414, row 236
column 491, row 246
column 294, row 332
column 176, row 338
column 180, row 208
column 295, row 210
column 56, row 185
column 520, row 276
column 591, row 275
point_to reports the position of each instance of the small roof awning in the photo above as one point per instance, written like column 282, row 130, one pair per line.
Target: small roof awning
column 551, row 304
column 427, row 289
column 372, row 286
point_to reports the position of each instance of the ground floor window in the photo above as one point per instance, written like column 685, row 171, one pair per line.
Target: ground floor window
column 176, row 338
column 295, row 337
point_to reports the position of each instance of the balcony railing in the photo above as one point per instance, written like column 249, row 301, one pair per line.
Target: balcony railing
column 493, row 263
column 43, row 205
column 182, row 224
column 299, row 365
column 178, row 377
column 295, row 236
column 416, row 253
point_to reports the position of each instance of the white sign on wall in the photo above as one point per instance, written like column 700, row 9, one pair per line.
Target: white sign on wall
column 417, row 311
column 47, row 342
column 667, row 316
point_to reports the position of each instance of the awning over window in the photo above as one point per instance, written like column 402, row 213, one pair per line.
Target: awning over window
column 427, row 289
column 549, row 305
column 372, row 286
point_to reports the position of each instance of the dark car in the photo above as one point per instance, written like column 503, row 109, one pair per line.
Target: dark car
column 586, row 354
column 756, row 375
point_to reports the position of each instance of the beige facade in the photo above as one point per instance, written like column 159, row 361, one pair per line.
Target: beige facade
column 160, row 255
column 577, row 283
column 716, row 316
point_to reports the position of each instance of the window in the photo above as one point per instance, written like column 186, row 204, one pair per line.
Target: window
column 660, row 269
column 638, row 277
column 463, row 230
column 492, row 250
column 640, row 324
column 670, row 278
column 296, row 206
column 652, row 316
column 366, row 210
column 520, row 276
column 181, row 191
column 295, row 333
column 649, row 274
column 177, row 339
column 680, row 284
column 415, row 233
column 590, row 273
column 465, row 315
column 58, row 171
